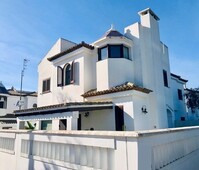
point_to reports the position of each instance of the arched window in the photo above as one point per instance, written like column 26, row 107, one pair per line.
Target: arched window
column 67, row 74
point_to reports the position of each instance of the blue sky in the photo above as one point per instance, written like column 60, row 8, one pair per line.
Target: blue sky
column 28, row 29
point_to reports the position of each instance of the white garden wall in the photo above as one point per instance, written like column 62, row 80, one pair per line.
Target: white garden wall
column 166, row 149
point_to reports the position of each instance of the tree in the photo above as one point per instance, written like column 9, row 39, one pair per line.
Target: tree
column 192, row 99
column 29, row 126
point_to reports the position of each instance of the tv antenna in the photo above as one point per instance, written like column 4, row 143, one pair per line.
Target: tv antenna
column 20, row 102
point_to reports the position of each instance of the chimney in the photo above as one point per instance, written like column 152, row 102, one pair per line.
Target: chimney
column 148, row 18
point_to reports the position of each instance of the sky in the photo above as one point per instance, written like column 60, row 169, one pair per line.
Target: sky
column 29, row 28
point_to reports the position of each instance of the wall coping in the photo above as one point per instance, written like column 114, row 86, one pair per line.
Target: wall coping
column 134, row 134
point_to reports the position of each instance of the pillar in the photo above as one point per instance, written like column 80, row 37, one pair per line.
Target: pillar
column 72, row 121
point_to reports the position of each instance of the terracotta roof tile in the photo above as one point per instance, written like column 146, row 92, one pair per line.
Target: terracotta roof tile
column 123, row 87
column 82, row 44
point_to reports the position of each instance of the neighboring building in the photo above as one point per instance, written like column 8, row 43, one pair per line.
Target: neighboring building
column 9, row 101
column 119, row 82
column 3, row 99
column 178, row 90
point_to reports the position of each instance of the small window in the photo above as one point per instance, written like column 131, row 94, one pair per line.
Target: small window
column 165, row 78
column 182, row 118
column 46, row 125
column 180, row 94
column 3, row 101
column 46, row 85
column 34, row 105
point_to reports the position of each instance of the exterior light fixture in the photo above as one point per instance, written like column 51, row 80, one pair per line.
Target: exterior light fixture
column 86, row 114
column 144, row 110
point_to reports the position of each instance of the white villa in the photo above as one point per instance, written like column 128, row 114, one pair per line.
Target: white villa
column 122, row 81
column 121, row 87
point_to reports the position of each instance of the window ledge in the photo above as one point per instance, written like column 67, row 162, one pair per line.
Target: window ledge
column 45, row 92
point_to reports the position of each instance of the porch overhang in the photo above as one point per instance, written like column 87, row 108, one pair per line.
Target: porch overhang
column 68, row 107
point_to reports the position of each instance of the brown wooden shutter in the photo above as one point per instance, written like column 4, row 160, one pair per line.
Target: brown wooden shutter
column 72, row 77
column 59, row 76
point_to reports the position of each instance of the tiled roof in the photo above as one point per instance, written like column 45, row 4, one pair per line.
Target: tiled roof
column 58, row 108
column 15, row 92
column 3, row 89
column 8, row 118
column 82, row 44
column 113, row 33
column 122, row 87
column 8, row 121
column 178, row 77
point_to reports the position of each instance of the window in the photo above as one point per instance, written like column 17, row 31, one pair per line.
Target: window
column 34, row 105
column 165, row 78
column 113, row 51
column 67, row 74
column 125, row 52
column 1, row 105
column 46, row 125
column 103, row 53
column 3, row 101
column 46, row 85
column 180, row 94
column 182, row 118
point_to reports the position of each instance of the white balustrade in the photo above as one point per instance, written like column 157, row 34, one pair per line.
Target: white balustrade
column 86, row 150
column 7, row 144
column 168, row 153
column 88, row 156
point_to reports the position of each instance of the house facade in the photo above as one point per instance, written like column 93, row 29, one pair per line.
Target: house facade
column 122, row 81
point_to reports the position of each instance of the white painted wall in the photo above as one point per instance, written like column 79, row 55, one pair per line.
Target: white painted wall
column 99, row 120
column 151, row 57
column 113, row 72
column 45, row 71
column 84, row 78
column 128, row 106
